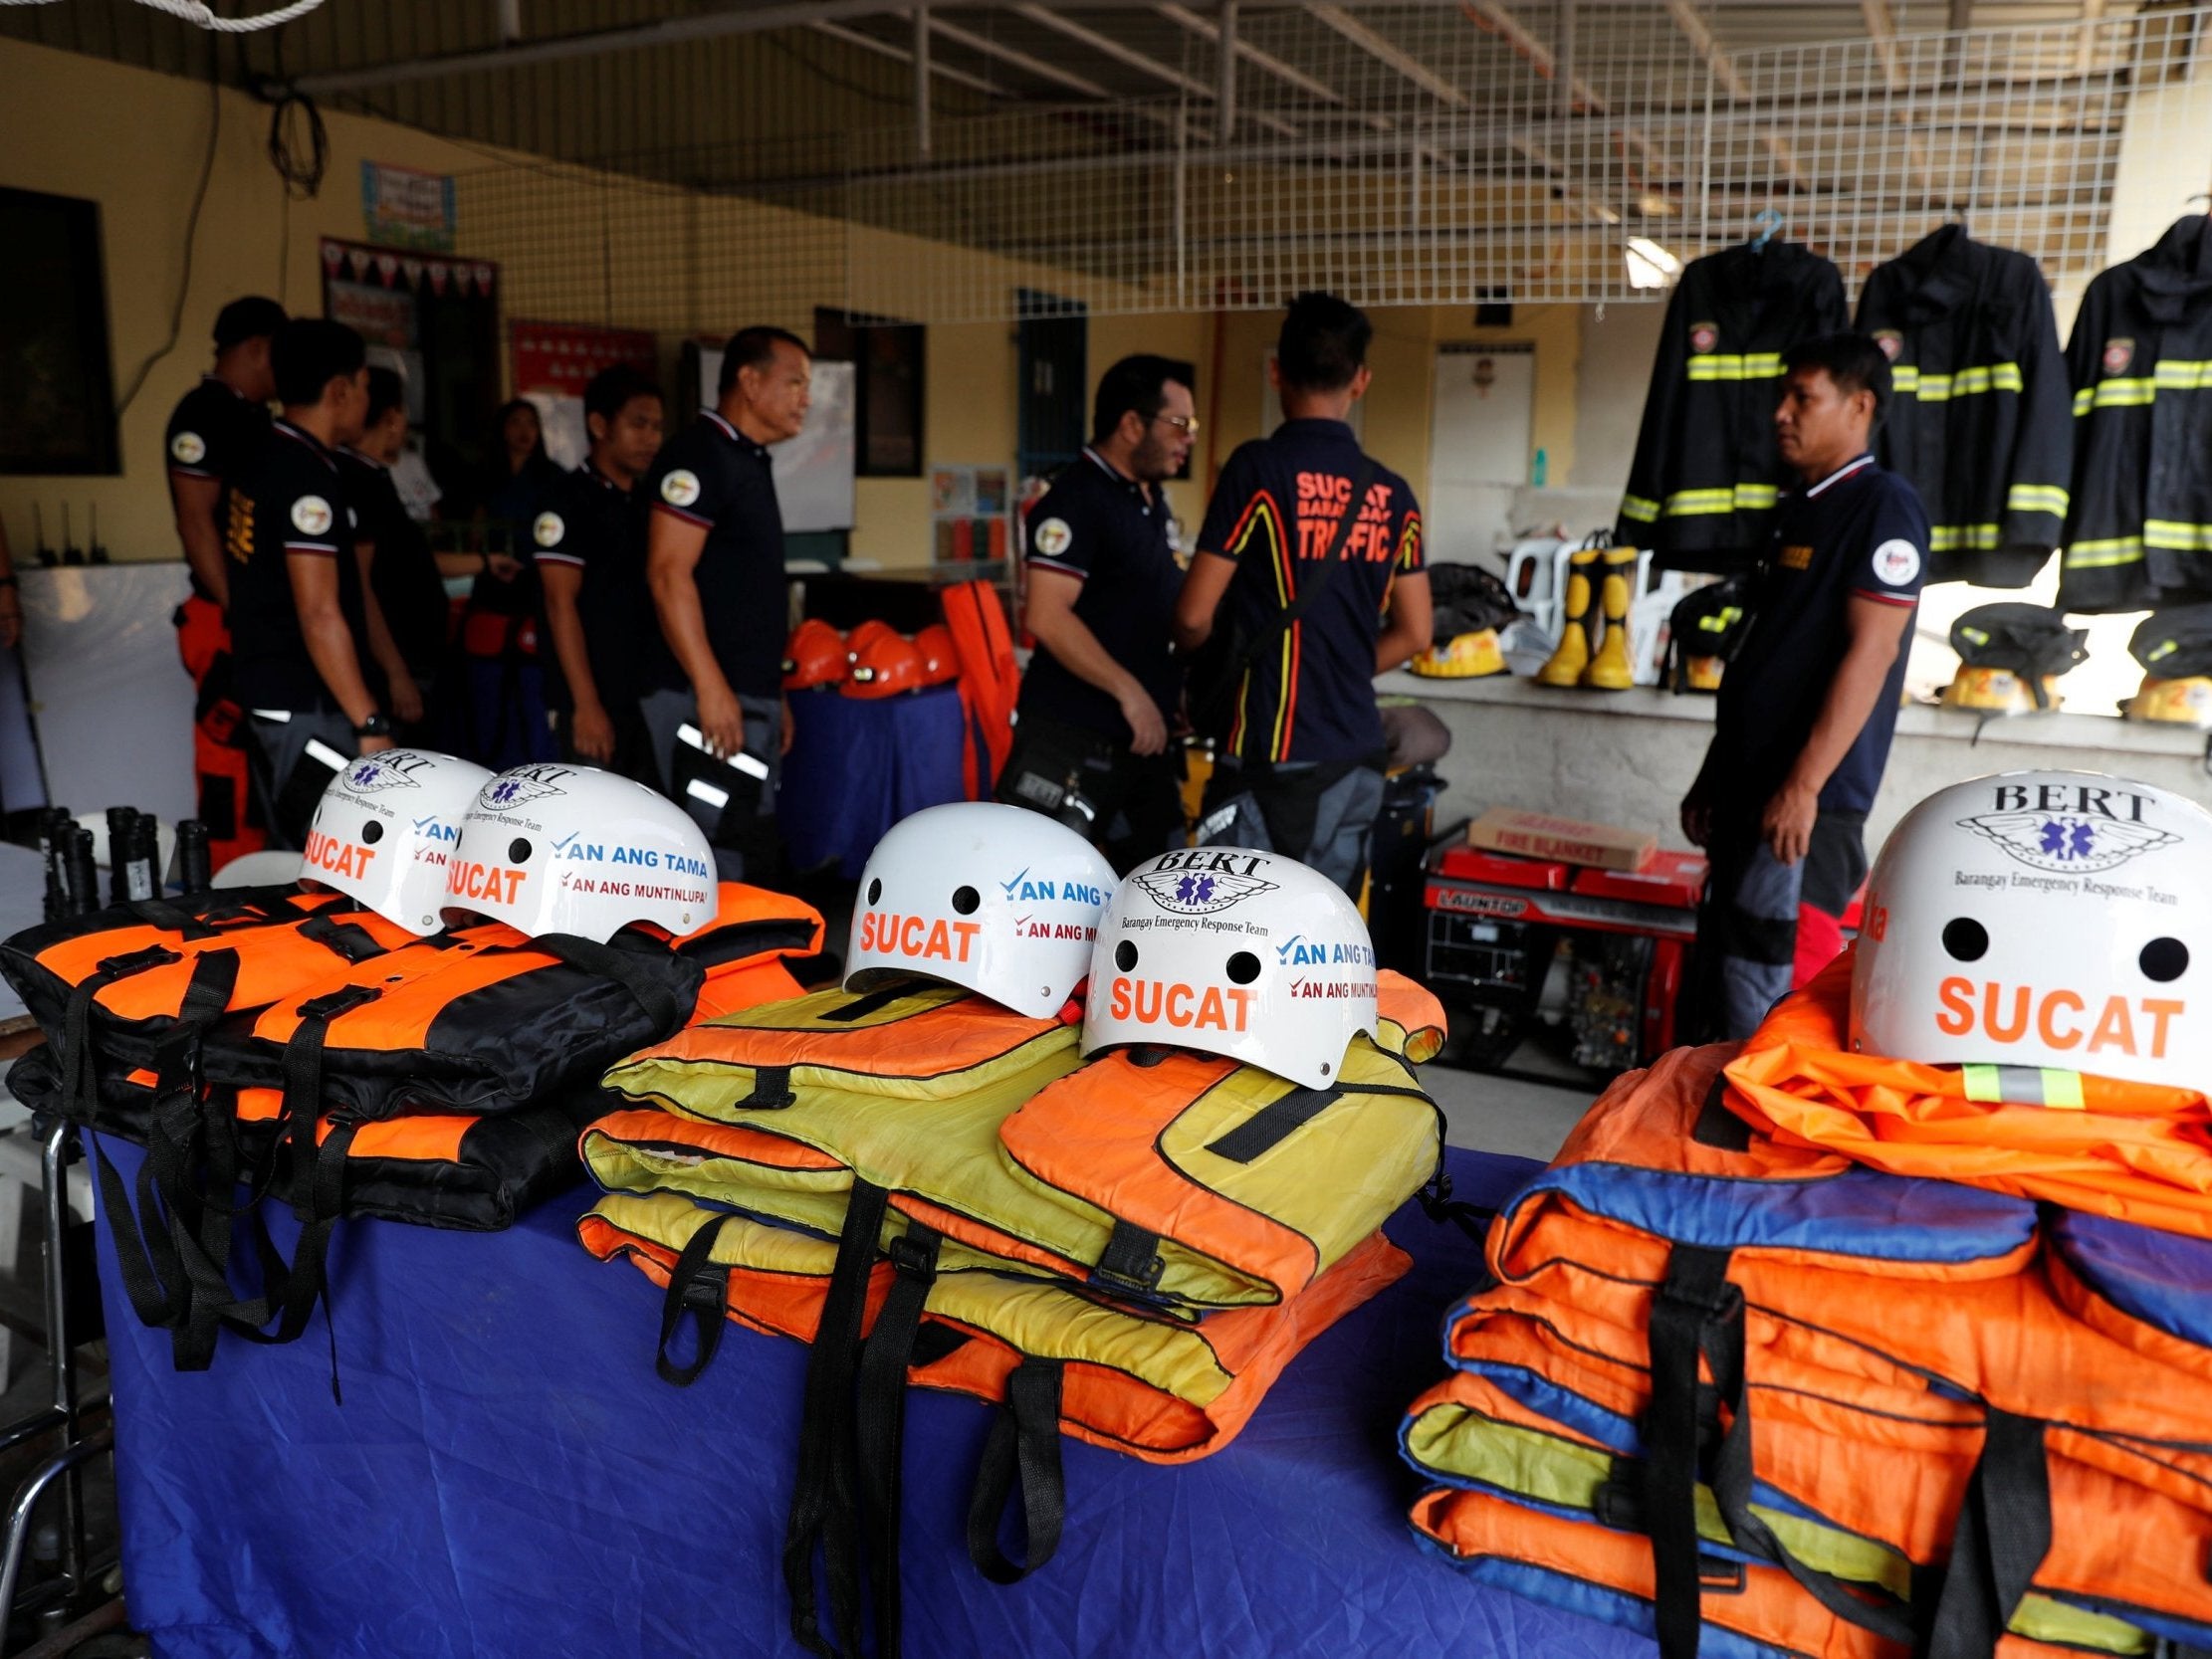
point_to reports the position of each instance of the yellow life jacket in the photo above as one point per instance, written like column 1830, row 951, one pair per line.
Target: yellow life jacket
column 1177, row 1179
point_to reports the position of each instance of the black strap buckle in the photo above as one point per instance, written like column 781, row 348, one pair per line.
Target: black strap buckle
column 344, row 999
column 913, row 1258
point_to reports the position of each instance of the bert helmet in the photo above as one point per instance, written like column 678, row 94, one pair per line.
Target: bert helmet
column 2042, row 920
column 574, row 850
column 997, row 899
column 1247, row 956
column 814, row 655
column 885, row 666
column 384, row 827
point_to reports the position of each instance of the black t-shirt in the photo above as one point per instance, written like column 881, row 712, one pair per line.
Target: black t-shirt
column 593, row 524
column 1860, row 532
column 215, row 433
column 292, row 502
column 405, row 574
column 1098, row 526
column 1275, row 511
column 713, row 476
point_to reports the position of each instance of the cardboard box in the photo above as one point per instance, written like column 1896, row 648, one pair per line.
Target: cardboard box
column 1504, row 829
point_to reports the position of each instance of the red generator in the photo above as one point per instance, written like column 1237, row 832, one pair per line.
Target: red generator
column 1517, row 941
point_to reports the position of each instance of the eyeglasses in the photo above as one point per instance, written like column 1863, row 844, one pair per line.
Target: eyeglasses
column 1186, row 424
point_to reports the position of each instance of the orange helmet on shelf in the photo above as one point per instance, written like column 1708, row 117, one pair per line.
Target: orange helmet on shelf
column 864, row 634
column 940, row 656
column 887, row 664
column 814, row 655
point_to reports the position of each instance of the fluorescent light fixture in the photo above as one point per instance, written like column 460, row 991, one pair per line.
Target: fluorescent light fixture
column 1650, row 265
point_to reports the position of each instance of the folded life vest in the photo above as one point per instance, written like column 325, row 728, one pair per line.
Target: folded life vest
column 483, row 1018
column 139, row 984
column 1861, row 1484
column 266, row 1097
column 1178, row 1180
column 2136, row 1151
column 1603, row 1574
column 1671, row 1242
column 1054, row 1361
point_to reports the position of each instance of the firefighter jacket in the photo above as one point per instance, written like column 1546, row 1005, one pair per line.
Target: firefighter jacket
column 2139, row 531
column 1981, row 420
column 1729, row 1383
column 1706, row 475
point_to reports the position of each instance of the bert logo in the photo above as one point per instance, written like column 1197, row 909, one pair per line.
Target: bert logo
column 339, row 858
column 1163, row 1002
column 917, row 937
column 2004, row 1013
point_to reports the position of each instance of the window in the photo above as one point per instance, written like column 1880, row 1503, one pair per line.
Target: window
column 60, row 412
column 887, row 358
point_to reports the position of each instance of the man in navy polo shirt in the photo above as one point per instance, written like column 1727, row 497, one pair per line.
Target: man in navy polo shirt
column 1808, row 706
column 1299, row 739
column 714, row 562
column 1091, row 743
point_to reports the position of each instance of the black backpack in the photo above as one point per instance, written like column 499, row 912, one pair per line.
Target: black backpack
column 1469, row 599
column 1708, row 621
column 2032, row 641
column 2174, row 643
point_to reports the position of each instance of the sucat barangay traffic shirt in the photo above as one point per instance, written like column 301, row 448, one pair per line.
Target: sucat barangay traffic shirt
column 1311, row 694
column 1860, row 532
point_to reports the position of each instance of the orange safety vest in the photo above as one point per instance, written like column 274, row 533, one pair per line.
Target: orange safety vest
column 2137, row 1151
column 1753, row 1324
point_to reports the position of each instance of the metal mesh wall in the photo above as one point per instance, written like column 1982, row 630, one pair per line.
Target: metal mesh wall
column 1399, row 154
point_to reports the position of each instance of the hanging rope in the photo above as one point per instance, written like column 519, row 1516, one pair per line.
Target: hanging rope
column 196, row 13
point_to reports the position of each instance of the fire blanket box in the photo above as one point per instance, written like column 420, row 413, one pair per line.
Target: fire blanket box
column 1497, row 924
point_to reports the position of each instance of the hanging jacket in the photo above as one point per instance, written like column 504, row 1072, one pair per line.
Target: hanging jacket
column 1706, row 475
column 1981, row 421
column 1670, row 1238
column 1177, row 1179
column 2139, row 530
column 2137, row 1151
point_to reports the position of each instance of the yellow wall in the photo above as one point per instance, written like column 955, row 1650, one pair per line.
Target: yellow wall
column 133, row 140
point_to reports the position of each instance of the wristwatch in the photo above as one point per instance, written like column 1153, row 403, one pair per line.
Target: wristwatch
column 378, row 725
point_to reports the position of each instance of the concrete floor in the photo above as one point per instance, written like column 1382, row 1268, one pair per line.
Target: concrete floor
column 1513, row 1115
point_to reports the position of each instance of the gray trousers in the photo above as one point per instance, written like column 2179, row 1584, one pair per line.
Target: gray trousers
column 738, row 847
column 1326, row 823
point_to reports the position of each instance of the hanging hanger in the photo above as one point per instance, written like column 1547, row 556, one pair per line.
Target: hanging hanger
column 1767, row 222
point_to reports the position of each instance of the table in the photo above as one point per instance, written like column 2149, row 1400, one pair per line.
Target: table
column 507, row 1476
column 858, row 765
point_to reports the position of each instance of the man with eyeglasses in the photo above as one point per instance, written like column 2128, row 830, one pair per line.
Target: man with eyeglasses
column 1090, row 740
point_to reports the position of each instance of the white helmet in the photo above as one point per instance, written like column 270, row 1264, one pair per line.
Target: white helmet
column 553, row 849
column 994, row 898
column 384, row 828
column 1244, row 955
column 2041, row 920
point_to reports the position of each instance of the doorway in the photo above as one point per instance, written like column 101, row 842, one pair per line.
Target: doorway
column 1481, row 422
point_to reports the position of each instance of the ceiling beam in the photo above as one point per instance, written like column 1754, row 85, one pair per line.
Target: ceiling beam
column 1107, row 46
column 1882, row 29
column 1290, row 75
column 899, row 53
column 1016, row 58
column 1389, row 55
column 1723, row 68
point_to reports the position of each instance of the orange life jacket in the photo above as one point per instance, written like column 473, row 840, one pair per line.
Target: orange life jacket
column 2137, row 1151
column 989, row 681
column 241, row 1043
column 1927, row 1351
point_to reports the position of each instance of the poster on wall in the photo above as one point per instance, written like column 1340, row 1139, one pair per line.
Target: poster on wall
column 402, row 207
column 555, row 362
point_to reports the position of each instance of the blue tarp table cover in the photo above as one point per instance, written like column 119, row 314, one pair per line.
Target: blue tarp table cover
column 508, row 1479
column 859, row 764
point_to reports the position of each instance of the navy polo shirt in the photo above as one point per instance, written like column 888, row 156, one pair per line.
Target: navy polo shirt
column 405, row 574
column 1859, row 532
column 215, row 433
column 292, row 501
column 1275, row 511
column 593, row 524
column 1111, row 534
column 714, row 476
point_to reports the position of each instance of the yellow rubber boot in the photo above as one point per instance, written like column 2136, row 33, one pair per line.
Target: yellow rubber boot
column 1573, row 655
column 1613, row 669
